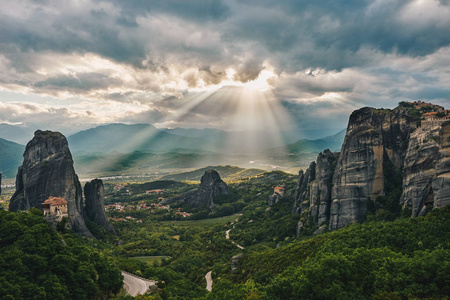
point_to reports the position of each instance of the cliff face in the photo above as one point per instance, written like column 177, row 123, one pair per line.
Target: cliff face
column 95, row 209
column 426, row 181
column 303, row 191
column 211, row 186
column 314, row 190
column 373, row 138
column 47, row 170
column 379, row 145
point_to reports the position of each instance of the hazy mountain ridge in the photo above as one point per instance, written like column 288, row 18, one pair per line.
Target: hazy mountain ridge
column 10, row 157
column 142, row 148
column 332, row 142
column 124, row 138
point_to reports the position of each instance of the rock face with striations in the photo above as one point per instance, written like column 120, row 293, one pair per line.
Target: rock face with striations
column 314, row 190
column 95, row 209
column 380, row 144
column 303, row 191
column 374, row 138
column 426, row 180
column 47, row 170
column 211, row 186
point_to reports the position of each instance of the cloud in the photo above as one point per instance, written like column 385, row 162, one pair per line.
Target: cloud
column 143, row 60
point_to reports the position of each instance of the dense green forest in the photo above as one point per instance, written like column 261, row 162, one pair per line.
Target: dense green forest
column 37, row 262
column 379, row 259
column 404, row 259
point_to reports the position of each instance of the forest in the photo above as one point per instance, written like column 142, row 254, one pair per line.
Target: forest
column 391, row 257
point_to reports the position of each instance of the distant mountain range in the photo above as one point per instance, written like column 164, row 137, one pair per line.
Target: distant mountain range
column 11, row 156
column 143, row 148
column 333, row 142
column 16, row 133
column 123, row 138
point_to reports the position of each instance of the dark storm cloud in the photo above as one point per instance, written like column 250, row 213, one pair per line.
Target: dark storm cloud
column 329, row 34
column 326, row 55
column 196, row 10
column 291, row 34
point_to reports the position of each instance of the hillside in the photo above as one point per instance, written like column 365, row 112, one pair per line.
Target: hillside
column 15, row 133
column 37, row 262
column 10, row 157
column 227, row 173
column 407, row 258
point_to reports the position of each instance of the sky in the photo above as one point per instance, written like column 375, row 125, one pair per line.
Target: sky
column 232, row 65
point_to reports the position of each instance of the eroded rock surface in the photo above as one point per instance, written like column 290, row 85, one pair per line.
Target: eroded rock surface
column 380, row 145
column 47, row 170
column 426, row 175
column 94, row 206
column 211, row 186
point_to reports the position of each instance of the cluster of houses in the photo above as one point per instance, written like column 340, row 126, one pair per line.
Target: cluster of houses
column 153, row 208
column 127, row 207
column 436, row 116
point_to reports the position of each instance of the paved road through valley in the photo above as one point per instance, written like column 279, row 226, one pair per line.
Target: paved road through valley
column 135, row 285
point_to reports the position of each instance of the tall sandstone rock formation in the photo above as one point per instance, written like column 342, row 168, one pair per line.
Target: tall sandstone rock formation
column 374, row 138
column 94, row 207
column 378, row 142
column 47, row 170
column 211, row 186
column 426, row 174
column 313, row 193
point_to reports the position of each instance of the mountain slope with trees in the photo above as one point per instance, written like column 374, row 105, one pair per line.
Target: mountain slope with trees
column 37, row 262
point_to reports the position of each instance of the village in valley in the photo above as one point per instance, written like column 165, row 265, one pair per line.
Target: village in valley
column 149, row 201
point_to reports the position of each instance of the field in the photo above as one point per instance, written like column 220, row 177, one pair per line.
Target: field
column 203, row 222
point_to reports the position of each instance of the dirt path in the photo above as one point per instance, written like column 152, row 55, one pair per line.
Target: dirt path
column 227, row 236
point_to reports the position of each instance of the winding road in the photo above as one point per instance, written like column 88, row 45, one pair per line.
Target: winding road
column 136, row 285
column 227, row 236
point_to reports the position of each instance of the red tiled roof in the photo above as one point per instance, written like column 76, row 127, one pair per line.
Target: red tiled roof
column 55, row 201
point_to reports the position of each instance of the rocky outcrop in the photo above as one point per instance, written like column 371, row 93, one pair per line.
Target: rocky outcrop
column 373, row 137
column 426, row 181
column 302, row 193
column 47, row 170
column 380, row 148
column 314, row 189
column 211, row 186
column 234, row 262
column 94, row 207
column 321, row 187
column 278, row 194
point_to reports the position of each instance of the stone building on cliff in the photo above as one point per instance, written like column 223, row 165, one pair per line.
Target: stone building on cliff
column 55, row 206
